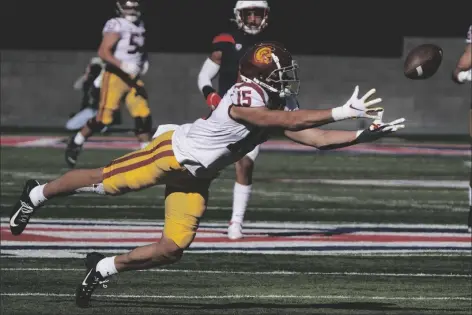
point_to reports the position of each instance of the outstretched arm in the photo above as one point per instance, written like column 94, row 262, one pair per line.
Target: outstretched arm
column 305, row 119
column 323, row 139
column 335, row 139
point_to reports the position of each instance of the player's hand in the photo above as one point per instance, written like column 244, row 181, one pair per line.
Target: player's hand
column 462, row 76
column 357, row 107
column 361, row 107
column 379, row 129
column 140, row 90
column 213, row 99
column 79, row 83
column 145, row 68
column 130, row 68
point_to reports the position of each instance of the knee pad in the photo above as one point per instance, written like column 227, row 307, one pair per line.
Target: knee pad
column 96, row 126
column 142, row 125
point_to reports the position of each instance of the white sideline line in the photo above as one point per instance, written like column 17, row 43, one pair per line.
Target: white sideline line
column 431, row 206
column 255, row 224
column 276, row 272
column 194, row 297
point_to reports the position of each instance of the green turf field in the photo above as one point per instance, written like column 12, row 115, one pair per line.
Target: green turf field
column 287, row 189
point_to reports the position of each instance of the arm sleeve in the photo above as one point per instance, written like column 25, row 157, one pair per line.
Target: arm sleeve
column 208, row 71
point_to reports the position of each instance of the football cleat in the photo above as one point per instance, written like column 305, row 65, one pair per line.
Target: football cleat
column 23, row 209
column 91, row 281
column 235, row 231
column 72, row 152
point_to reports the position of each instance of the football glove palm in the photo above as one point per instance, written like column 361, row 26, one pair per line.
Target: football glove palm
column 379, row 129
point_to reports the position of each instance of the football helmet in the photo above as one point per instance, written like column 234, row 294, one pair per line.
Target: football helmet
column 243, row 9
column 129, row 9
column 271, row 66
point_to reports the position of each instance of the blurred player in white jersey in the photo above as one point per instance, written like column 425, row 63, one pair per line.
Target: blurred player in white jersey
column 122, row 50
column 188, row 159
column 463, row 73
column 89, row 84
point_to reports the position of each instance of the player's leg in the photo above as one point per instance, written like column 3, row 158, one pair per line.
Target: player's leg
column 241, row 193
column 34, row 194
column 183, row 209
column 131, row 172
column 111, row 93
column 139, row 110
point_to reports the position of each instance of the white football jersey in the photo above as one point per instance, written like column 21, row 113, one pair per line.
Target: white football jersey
column 207, row 146
column 130, row 46
column 468, row 40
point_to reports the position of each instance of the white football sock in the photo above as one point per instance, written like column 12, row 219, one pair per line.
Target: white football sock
column 241, row 195
column 79, row 138
column 142, row 145
column 95, row 188
column 37, row 196
column 106, row 267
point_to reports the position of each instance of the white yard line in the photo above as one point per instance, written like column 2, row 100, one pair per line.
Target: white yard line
column 275, row 272
column 48, row 254
column 457, row 184
column 235, row 296
column 451, row 184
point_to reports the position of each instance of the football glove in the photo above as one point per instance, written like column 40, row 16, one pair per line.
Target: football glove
column 140, row 90
column 145, row 68
column 379, row 129
column 464, row 76
column 358, row 107
column 213, row 99
column 79, row 83
column 130, row 68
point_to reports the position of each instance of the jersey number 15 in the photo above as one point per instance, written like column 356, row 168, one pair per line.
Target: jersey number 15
column 244, row 98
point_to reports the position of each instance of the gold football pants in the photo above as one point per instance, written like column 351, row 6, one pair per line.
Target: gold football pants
column 185, row 196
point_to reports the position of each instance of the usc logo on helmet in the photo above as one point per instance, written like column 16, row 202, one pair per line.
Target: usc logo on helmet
column 263, row 55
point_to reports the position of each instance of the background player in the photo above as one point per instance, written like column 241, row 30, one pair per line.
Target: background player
column 188, row 159
column 89, row 84
column 251, row 18
column 461, row 74
column 122, row 49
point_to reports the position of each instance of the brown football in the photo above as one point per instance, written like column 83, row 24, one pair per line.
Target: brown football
column 423, row 61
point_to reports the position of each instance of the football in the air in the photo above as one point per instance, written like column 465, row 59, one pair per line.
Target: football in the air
column 422, row 62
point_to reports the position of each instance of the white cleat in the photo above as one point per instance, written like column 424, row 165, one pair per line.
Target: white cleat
column 235, row 231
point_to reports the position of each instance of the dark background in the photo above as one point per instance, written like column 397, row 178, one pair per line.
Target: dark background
column 315, row 27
